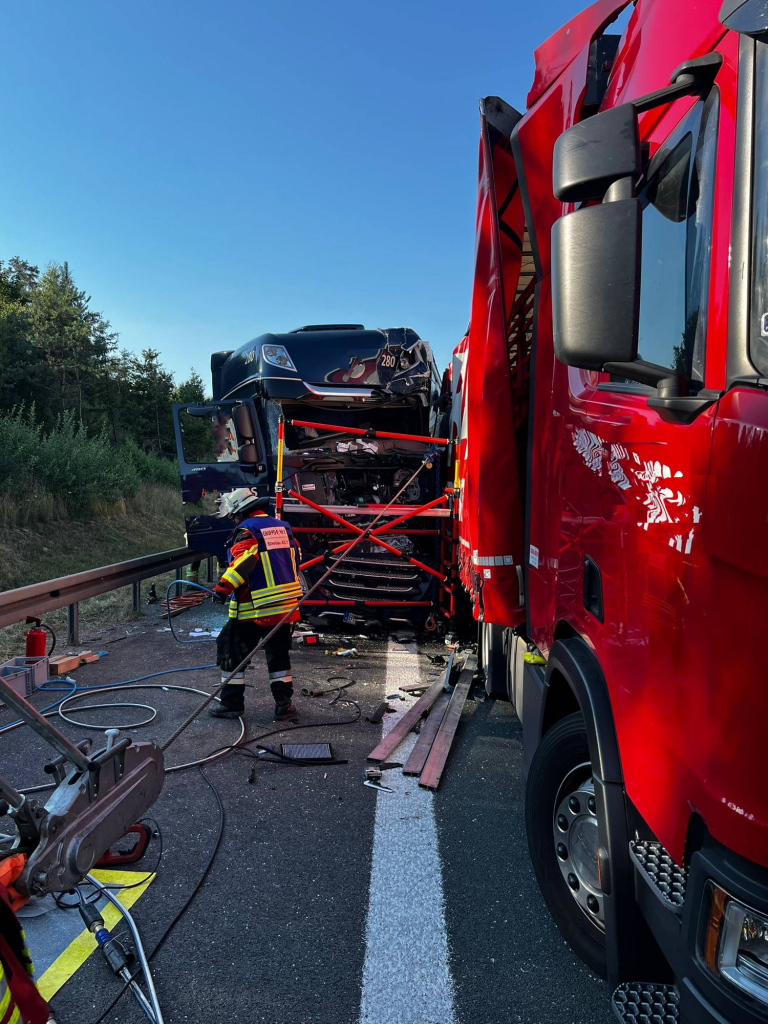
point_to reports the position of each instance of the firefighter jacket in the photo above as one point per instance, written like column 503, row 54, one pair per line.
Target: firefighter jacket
column 20, row 1002
column 263, row 573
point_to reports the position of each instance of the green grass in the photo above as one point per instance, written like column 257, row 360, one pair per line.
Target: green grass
column 149, row 521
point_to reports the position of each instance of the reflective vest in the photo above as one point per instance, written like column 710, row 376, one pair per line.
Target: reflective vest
column 263, row 569
column 20, row 1002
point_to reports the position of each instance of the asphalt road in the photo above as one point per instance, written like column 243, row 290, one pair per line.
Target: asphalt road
column 317, row 906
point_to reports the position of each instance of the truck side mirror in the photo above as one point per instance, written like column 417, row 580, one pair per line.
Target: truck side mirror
column 595, row 153
column 248, row 454
column 747, row 16
column 246, row 428
column 596, row 284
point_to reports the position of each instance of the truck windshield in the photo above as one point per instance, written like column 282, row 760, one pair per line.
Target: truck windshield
column 759, row 305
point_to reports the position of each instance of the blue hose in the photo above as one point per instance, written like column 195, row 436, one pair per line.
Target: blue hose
column 197, row 586
column 76, row 687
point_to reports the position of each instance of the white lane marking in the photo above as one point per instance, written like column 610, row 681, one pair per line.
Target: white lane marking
column 406, row 974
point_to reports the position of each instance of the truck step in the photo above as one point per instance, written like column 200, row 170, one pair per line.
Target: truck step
column 660, row 871
column 643, row 1002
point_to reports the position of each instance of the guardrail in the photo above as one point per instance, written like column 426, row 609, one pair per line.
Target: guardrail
column 68, row 591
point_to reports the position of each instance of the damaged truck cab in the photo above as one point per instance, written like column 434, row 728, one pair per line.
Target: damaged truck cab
column 341, row 375
column 617, row 561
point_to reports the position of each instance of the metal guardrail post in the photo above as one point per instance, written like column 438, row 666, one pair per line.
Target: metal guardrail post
column 179, row 574
column 136, row 595
column 73, row 624
column 209, row 569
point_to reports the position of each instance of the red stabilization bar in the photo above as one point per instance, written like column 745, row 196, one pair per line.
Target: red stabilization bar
column 357, row 529
column 368, row 604
column 409, row 515
column 347, row 529
column 359, row 432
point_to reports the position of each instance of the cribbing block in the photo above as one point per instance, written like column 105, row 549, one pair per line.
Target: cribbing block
column 62, row 666
column 69, row 662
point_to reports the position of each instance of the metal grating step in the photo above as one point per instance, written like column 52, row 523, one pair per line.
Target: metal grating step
column 642, row 1002
column 374, row 561
column 371, row 574
column 668, row 878
column 380, row 588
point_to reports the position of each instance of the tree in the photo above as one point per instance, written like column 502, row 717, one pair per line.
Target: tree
column 76, row 342
column 151, row 399
column 191, row 390
column 24, row 377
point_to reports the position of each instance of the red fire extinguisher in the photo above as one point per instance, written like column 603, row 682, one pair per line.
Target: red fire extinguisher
column 36, row 638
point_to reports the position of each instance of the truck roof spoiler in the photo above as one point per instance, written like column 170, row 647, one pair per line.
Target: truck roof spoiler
column 328, row 327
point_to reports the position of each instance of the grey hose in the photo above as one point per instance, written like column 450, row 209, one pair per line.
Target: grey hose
column 138, row 944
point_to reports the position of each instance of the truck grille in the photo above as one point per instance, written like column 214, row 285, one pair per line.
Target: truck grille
column 374, row 576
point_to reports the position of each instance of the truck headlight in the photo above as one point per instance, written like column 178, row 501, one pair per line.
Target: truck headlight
column 736, row 943
column 277, row 355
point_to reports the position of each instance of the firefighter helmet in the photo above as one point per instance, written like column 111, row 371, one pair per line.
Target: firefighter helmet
column 239, row 500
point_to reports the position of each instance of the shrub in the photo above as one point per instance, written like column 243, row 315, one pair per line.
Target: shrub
column 19, row 447
column 75, row 473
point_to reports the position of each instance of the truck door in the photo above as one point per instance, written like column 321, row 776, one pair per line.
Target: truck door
column 220, row 447
column 731, row 698
column 640, row 475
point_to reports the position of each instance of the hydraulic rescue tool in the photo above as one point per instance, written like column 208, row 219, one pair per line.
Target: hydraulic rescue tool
column 99, row 795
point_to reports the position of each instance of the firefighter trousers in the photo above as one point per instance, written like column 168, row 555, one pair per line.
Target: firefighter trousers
column 236, row 641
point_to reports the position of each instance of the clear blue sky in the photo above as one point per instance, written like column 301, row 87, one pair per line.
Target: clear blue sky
column 213, row 170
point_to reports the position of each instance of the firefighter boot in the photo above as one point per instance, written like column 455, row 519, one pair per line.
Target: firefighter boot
column 232, row 701
column 284, row 709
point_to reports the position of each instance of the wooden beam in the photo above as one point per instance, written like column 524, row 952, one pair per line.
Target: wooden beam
column 416, row 761
column 395, row 737
column 398, row 732
column 438, row 755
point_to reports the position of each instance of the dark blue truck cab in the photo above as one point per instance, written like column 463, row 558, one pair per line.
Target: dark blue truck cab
column 345, row 376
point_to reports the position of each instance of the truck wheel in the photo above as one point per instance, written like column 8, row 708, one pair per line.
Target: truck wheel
column 561, row 821
column 493, row 659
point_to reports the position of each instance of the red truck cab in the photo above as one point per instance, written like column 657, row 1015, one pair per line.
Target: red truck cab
column 614, row 505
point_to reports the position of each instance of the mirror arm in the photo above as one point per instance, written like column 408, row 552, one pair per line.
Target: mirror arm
column 669, row 383
column 694, row 76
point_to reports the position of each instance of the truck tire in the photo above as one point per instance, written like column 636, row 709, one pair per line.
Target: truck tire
column 561, row 823
column 493, row 660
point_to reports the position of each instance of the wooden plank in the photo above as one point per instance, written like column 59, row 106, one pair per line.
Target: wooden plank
column 416, row 761
column 395, row 737
column 398, row 733
column 415, row 687
column 438, row 755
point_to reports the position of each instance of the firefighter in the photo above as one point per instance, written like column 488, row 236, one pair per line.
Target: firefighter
column 261, row 585
column 20, row 1002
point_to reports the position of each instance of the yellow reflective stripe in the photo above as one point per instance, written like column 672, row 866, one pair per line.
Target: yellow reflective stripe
column 15, row 1016
column 5, row 1001
column 246, row 554
column 293, row 560
column 259, row 602
column 266, row 612
column 269, row 576
column 233, row 577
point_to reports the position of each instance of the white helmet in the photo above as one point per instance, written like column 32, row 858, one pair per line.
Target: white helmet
column 239, row 500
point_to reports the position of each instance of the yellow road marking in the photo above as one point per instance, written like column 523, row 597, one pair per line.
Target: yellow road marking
column 78, row 951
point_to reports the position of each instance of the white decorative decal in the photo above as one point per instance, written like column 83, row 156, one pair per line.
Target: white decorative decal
column 590, row 448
